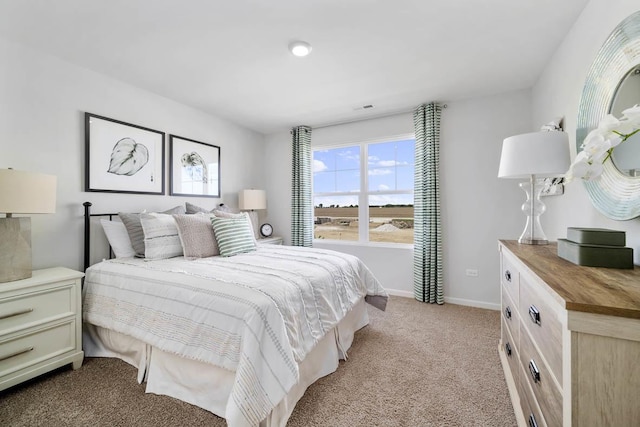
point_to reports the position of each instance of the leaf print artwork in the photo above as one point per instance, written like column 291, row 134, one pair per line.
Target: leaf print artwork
column 196, row 166
column 128, row 157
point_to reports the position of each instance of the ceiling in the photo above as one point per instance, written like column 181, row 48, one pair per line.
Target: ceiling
column 230, row 58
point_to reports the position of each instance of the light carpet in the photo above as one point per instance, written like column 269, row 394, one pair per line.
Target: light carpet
column 414, row 365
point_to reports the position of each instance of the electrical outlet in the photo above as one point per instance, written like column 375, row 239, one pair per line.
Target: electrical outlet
column 472, row 272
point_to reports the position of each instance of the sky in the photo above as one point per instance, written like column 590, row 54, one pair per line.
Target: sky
column 390, row 167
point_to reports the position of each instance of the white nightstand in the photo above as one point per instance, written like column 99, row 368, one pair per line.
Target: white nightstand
column 40, row 324
column 270, row 241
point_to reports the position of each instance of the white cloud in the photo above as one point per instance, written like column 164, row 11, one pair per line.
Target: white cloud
column 319, row 166
column 383, row 187
column 380, row 171
column 389, row 163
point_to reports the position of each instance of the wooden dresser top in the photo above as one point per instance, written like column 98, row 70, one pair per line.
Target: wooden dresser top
column 609, row 291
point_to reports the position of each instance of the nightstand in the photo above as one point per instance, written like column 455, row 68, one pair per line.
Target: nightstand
column 270, row 241
column 40, row 324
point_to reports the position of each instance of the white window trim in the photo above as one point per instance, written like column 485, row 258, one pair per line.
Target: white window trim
column 363, row 205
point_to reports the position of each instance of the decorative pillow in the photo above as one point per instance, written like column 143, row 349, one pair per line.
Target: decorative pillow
column 118, row 238
column 196, row 235
column 161, row 238
column 241, row 215
column 132, row 223
column 193, row 209
column 234, row 235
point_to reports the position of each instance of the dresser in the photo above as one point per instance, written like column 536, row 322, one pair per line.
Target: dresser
column 570, row 339
column 40, row 324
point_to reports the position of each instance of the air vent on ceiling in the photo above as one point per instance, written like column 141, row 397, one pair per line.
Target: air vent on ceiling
column 364, row 107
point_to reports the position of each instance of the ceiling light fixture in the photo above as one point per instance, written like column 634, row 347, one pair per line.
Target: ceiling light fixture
column 300, row 48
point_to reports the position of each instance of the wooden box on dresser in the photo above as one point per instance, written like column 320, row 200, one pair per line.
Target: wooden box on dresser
column 40, row 324
column 570, row 345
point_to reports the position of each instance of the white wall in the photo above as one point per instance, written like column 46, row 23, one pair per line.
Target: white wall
column 558, row 92
column 477, row 207
column 42, row 105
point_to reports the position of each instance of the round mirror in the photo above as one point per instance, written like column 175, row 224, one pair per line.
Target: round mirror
column 617, row 192
column 626, row 156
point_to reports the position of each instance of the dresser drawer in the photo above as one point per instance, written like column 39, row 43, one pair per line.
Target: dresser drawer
column 510, row 277
column 37, row 346
column 27, row 309
column 510, row 316
column 540, row 379
column 530, row 408
column 510, row 348
column 543, row 323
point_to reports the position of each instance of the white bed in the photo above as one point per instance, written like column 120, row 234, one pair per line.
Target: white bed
column 242, row 337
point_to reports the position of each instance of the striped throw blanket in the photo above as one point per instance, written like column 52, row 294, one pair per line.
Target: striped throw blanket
column 257, row 314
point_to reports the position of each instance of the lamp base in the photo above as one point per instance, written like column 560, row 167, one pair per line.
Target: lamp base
column 15, row 249
column 533, row 208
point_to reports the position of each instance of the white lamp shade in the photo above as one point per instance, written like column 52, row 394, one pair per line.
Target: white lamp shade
column 252, row 199
column 538, row 153
column 27, row 192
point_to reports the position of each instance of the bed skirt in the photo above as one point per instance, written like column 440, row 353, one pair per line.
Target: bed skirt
column 208, row 386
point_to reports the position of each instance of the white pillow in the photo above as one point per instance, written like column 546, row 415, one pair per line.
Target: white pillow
column 161, row 238
column 118, row 238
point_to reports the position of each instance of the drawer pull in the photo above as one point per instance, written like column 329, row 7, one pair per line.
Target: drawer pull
column 16, row 353
column 507, row 275
column 507, row 349
column 532, row 421
column 535, row 373
column 534, row 314
column 507, row 312
column 16, row 313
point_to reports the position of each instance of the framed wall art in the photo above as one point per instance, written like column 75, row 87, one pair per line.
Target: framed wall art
column 123, row 158
column 194, row 168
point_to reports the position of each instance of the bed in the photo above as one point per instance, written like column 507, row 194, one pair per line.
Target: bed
column 241, row 336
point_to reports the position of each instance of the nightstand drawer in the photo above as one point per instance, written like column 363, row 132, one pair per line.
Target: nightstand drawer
column 25, row 310
column 541, row 320
column 29, row 349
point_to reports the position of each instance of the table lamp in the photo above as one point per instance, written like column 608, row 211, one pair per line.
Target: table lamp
column 533, row 156
column 21, row 193
column 251, row 200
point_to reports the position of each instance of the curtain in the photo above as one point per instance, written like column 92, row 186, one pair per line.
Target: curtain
column 427, row 258
column 301, row 200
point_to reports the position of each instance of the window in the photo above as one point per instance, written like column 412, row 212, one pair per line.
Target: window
column 364, row 192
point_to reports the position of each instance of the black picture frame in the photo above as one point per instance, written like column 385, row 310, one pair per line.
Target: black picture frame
column 194, row 168
column 122, row 157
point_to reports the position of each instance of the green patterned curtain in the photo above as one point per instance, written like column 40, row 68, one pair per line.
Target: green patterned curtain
column 427, row 257
column 301, row 200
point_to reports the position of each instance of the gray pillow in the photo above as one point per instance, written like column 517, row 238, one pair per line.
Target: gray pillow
column 193, row 209
column 196, row 235
column 132, row 223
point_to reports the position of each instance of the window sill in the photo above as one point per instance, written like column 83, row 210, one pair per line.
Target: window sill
column 403, row 246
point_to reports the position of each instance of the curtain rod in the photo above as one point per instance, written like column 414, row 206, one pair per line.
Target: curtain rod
column 362, row 119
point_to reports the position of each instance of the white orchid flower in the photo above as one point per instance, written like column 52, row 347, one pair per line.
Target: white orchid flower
column 632, row 114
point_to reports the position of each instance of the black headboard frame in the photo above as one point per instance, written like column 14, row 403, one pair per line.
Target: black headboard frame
column 87, row 232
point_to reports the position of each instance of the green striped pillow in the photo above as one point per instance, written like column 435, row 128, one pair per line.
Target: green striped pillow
column 234, row 235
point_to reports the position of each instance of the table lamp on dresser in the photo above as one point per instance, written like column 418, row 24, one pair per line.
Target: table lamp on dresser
column 21, row 193
column 533, row 156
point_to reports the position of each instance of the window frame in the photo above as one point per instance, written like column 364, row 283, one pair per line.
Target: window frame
column 363, row 193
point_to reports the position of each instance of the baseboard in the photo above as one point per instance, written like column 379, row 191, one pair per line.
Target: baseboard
column 458, row 301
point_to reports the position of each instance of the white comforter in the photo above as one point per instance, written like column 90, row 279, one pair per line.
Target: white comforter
column 257, row 314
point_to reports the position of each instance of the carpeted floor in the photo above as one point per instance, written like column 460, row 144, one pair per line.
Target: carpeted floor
column 414, row 365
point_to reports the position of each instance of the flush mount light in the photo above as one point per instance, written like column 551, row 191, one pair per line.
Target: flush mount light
column 300, row 48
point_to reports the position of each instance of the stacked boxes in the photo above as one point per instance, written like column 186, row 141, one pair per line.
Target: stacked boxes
column 596, row 247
